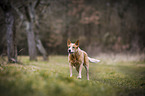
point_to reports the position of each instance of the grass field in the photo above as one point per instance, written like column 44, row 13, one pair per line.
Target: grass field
column 115, row 75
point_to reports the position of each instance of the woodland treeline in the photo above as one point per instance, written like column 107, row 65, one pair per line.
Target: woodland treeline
column 35, row 27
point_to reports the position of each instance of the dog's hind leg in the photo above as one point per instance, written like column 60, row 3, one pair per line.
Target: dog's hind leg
column 77, row 68
column 87, row 71
column 86, row 65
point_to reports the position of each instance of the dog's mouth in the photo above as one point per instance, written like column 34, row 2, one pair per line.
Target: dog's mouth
column 69, row 51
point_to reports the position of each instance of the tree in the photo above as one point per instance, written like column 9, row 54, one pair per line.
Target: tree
column 10, row 30
column 30, row 15
column 30, row 23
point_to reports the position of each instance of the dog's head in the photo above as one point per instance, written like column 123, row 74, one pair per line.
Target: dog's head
column 72, row 47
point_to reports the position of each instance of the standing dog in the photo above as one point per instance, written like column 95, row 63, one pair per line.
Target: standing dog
column 78, row 58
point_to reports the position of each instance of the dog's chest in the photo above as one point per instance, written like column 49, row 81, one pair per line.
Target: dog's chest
column 74, row 59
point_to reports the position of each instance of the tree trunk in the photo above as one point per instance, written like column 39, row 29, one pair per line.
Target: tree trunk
column 31, row 41
column 30, row 15
column 39, row 43
column 10, row 32
column 42, row 49
column 11, row 38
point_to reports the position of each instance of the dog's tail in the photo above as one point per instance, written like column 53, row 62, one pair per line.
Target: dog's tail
column 93, row 60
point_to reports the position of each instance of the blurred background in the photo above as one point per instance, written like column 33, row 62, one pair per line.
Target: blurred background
column 100, row 25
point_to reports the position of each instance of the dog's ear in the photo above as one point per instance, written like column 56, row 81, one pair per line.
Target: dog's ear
column 68, row 42
column 77, row 43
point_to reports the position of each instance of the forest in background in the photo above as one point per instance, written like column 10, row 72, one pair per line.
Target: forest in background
column 100, row 25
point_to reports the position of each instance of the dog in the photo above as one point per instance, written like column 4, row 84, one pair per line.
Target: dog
column 78, row 58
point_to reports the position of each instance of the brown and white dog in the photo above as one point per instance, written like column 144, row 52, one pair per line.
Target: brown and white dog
column 78, row 58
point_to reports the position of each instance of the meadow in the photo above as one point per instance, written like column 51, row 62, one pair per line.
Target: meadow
column 115, row 75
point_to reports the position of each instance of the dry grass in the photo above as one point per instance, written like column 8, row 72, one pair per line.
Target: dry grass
column 112, row 58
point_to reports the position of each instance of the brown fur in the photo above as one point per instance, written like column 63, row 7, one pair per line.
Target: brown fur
column 78, row 59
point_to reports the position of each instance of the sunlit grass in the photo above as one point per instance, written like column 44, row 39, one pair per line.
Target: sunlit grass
column 113, row 76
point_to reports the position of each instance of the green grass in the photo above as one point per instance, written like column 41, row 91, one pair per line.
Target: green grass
column 110, row 77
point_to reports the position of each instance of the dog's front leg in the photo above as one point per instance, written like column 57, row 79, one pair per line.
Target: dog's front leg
column 80, row 70
column 70, row 67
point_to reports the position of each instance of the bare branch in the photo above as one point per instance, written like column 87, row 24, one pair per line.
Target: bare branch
column 37, row 4
column 27, row 13
column 21, row 16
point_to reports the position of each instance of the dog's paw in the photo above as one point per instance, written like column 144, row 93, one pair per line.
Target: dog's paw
column 79, row 77
column 70, row 75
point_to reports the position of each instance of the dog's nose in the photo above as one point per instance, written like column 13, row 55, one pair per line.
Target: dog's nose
column 69, row 50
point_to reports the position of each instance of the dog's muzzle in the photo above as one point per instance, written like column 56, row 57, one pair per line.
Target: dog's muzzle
column 69, row 51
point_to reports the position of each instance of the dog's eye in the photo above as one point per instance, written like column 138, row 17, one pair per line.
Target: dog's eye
column 69, row 47
column 73, row 47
